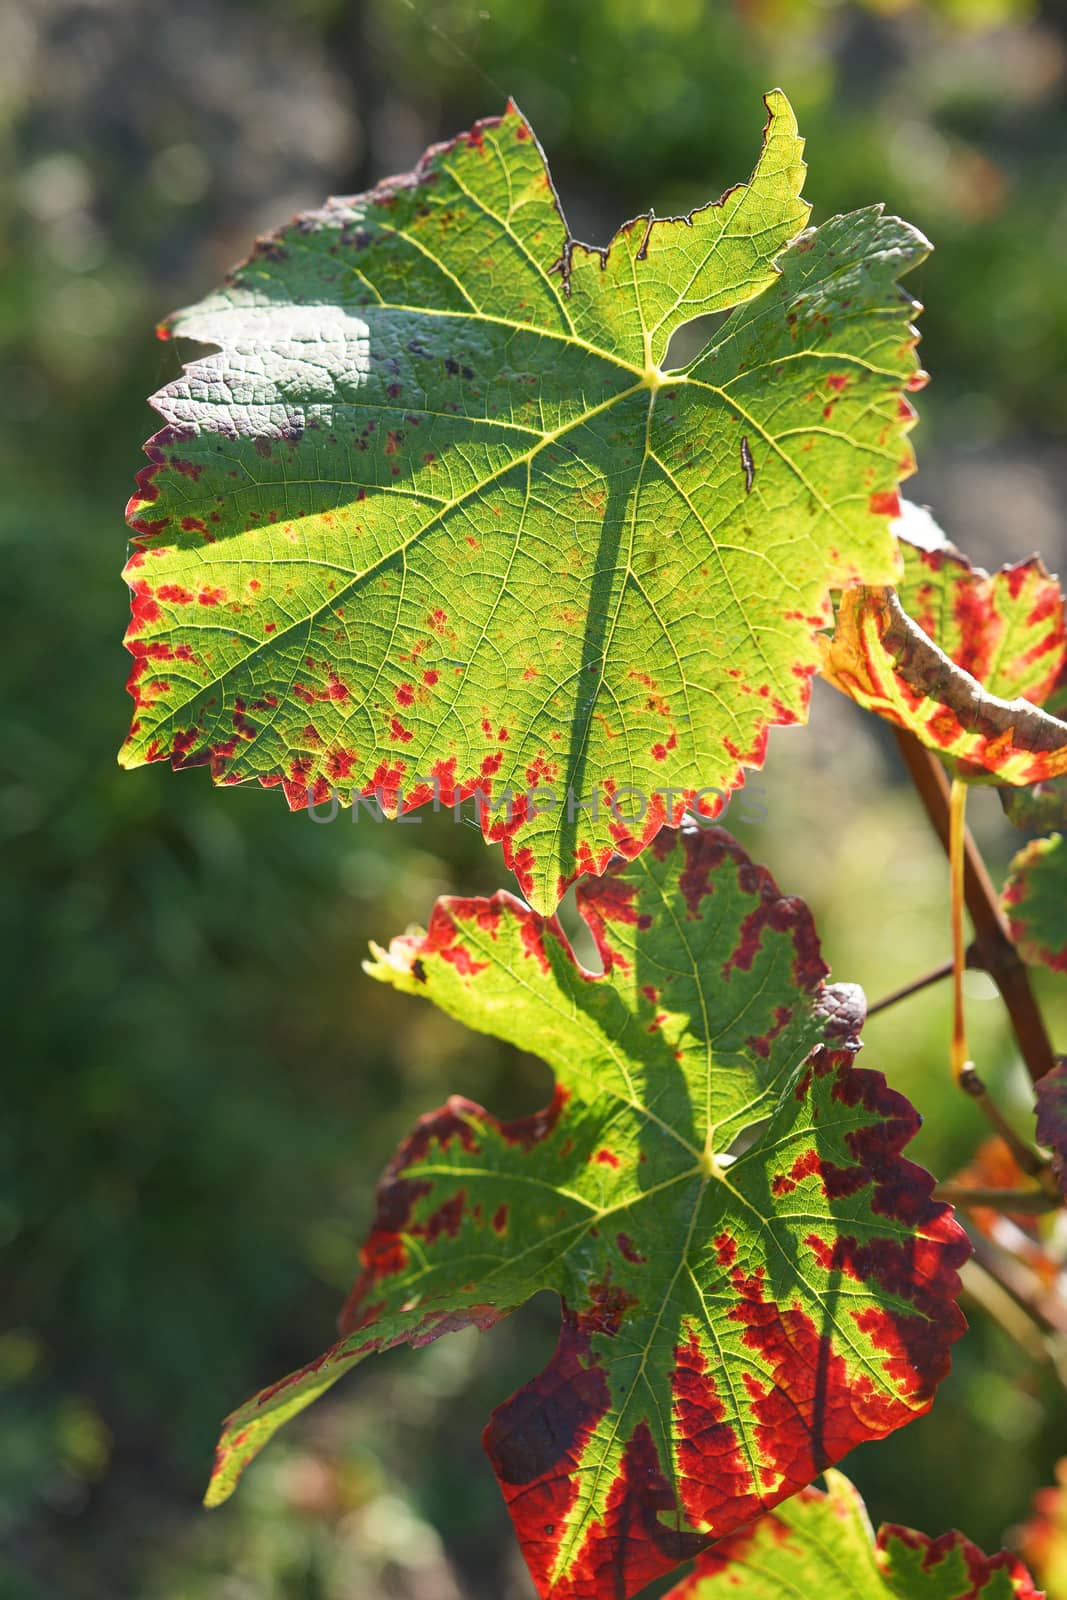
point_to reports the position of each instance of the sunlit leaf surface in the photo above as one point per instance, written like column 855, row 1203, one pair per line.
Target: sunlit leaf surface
column 822, row 1545
column 753, row 1278
column 437, row 518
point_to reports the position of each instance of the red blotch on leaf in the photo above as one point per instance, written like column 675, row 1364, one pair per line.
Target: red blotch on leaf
column 718, row 1491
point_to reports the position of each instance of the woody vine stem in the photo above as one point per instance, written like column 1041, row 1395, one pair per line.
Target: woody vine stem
column 991, row 952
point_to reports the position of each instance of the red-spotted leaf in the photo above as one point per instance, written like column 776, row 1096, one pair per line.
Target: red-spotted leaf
column 1052, row 1118
column 1006, row 629
column 1035, row 902
column 949, row 1567
column 822, row 1544
column 884, row 661
column 435, row 517
column 753, row 1278
column 1001, row 648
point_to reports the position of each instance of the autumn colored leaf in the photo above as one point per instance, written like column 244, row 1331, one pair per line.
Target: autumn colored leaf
column 436, row 516
column 1006, row 629
column 884, row 661
column 753, row 1279
column 822, row 1544
column 1042, row 807
column 1042, row 1539
column 1005, row 632
column 1035, row 901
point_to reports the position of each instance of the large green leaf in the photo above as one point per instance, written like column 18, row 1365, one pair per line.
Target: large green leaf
column 753, row 1278
column 435, row 516
column 823, row 1545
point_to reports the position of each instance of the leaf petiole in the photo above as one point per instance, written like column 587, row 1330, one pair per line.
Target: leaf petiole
column 957, row 811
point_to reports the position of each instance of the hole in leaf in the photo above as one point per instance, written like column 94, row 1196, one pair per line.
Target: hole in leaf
column 578, row 934
column 689, row 340
column 745, row 1139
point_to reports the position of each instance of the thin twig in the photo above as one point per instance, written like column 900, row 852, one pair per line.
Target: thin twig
column 916, row 985
column 1017, row 1320
column 1027, row 1157
column 996, row 953
column 1029, row 1202
column 1045, row 1305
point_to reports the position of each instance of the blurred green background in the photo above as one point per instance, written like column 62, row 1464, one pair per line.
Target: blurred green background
column 200, row 1086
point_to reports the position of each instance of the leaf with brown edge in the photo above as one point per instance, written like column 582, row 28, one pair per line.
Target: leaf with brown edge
column 1034, row 899
column 822, row 1544
column 884, row 661
column 434, row 518
column 752, row 1277
column 1051, row 1110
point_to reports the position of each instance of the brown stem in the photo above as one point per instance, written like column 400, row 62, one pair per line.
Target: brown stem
column 1025, row 1288
column 1027, row 1158
column 995, row 952
column 1028, row 1201
column 1019, row 1323
column 914, row 987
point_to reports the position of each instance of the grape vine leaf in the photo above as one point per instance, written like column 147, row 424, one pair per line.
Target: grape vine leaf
column 823, row 1544
column 1042, row 807
column 753, row 1279
column 1037, row 807
column 999, row 648
column 881, row 658
column 1034, row 899
column 434, row 517
column 1006, row 629
column 1051, row 1108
